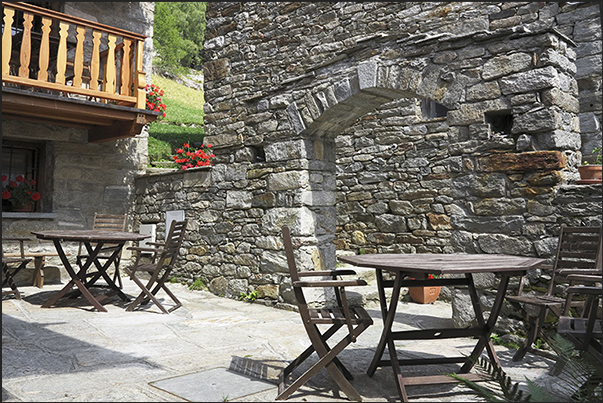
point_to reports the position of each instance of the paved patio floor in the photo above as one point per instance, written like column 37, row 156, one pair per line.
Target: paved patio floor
column 211, row 349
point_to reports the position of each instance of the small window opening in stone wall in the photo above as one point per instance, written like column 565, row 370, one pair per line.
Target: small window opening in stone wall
column 26, row 159
column 258, row 154
column 430, row 109
column 500, row 122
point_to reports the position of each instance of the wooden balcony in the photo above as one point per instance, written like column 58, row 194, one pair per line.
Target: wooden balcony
column 63, row 70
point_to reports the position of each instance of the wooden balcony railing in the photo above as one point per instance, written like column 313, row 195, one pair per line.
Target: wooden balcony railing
column 56, row 52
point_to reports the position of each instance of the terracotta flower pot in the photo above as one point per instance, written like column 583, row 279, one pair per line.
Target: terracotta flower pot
column 589, row 174
column 424, row 295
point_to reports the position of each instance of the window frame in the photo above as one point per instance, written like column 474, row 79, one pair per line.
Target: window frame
column 37, row 169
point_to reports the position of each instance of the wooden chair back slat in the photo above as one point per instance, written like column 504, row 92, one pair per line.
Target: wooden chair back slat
column 109, row 222
column 172, row 245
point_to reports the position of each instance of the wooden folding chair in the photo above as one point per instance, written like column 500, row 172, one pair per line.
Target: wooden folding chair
column 585, row 331
column 10, row 267
column 355, row 318
column 104, row 222
column 578, row 252
column 163, row 258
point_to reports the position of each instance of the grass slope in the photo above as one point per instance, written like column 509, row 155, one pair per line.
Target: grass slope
column 183, row 121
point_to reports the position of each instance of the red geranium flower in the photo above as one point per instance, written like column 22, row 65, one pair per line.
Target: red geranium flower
column 189, row 157
column 154, row 103
column 19, row 191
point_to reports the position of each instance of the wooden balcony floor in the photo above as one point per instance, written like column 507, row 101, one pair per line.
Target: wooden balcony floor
column 105, row 122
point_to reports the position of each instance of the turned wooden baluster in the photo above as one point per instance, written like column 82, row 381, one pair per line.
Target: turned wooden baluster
column 62, row 53
column 141, row 94
column 126, row 68
column 7, row 39
column 95, row 62
column 44, row 49
column 78, row 61
column 26, row 45
column 110, row 66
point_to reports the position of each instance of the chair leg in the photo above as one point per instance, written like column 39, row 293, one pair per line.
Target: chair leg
column 308, row 352
column 145, row 295
column 160, row 284
column 327, row 359
column 116, row 273
column 9, row 279
column 117, row 277
column 177, row 303
column 534, row 325
column 14, row 291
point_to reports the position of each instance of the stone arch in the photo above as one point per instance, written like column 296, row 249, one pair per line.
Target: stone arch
column 326, row 110
column 371, row 84
column 323, row 113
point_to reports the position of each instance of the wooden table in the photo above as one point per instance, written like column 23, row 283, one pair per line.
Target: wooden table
column 93, row 241
column 452, row 270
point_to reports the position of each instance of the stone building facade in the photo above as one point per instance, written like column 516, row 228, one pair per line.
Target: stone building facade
column 385, row 127
column 81, row 177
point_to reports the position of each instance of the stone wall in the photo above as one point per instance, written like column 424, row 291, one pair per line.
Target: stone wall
column 314, row 111
column 583, row 26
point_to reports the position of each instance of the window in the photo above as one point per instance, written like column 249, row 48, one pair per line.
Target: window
column 22, row 160
column 500, row 122
column 431, row 109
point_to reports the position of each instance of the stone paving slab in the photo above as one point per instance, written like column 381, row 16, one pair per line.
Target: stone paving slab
column 213, row 385
column 71, row 352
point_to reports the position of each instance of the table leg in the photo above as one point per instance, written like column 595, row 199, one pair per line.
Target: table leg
column 75, row 280
column 102, row 271
column 386, row 335
column 484, row 340
column 381, row 292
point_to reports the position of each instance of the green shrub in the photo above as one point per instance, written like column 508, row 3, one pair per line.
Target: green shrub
column 252, row 296
column 197, row 285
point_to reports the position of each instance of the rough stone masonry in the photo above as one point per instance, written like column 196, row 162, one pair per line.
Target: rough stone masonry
column 385, row 127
